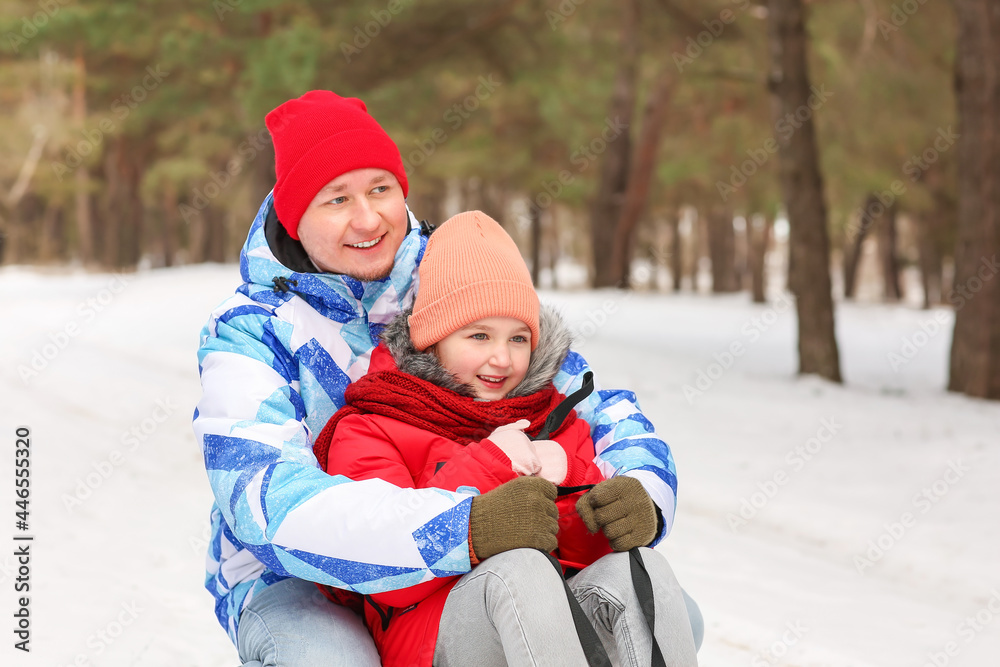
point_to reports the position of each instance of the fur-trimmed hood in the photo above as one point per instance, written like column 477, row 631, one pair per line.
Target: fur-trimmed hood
column 554, row 340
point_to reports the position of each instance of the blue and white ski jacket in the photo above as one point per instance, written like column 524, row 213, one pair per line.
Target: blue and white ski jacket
column 274, row 366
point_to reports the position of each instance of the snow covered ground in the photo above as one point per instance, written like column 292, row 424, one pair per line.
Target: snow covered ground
column 854, row 525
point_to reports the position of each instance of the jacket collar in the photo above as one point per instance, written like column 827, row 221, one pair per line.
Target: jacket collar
column 554, row 340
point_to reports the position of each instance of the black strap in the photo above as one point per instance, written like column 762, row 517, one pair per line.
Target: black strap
column 561, row 411
column 644, row 592
column 593, row 649
column 385, row 616
column 567, row 490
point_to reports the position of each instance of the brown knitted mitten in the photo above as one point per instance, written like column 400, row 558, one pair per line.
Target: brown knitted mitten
column 622, row 509
column 519, row 514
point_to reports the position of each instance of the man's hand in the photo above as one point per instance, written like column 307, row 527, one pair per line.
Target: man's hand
column 520, row 514
column 622, row 509
column 510, row 438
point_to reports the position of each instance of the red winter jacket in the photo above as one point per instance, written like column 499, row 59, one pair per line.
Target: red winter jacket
column 374, row 446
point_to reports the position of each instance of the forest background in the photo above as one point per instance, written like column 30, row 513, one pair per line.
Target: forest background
column 845, row 149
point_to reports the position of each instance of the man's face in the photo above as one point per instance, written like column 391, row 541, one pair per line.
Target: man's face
column 355, row 224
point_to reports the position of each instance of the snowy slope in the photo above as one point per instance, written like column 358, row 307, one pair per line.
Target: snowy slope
column 818, row 524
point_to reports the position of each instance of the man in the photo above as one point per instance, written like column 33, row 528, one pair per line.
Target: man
column 331, row 258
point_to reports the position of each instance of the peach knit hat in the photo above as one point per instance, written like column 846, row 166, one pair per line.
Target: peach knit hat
column 471, row 269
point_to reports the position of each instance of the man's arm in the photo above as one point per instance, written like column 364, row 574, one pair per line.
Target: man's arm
column 365, row 536
column 625, row 441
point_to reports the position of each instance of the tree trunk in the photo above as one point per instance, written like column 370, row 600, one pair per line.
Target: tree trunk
column 676, row 250
column 196, row 237
column 13, row 237
column 856, row 240
column 697, row 242
column 124, row 212
column 170, row 224
column 109, row 222
column 891, row 291
column 48, row 237
column 215, row 241
column 263, row 176
column 641, row 175
column 802, row 189
column 741, row 254
column 491, row 199
column 472, row 192
column 606, row 209
column 758, row 238
column 934, row 229
column 536, row 245
column 975, row 350
column 135, row 223
column 653, row 256
column 81, row 177
column 553, row 247
column 929, row 257
column 722, row 250
column 428, row 203
column 11, row 227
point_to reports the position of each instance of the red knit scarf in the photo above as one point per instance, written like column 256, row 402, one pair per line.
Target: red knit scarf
column 432, row 408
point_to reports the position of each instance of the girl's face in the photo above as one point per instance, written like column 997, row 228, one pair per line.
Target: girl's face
column 491, row 355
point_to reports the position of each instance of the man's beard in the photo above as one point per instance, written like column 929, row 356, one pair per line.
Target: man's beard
column 372, row 275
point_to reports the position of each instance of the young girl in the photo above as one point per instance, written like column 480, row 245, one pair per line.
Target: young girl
column 449, row 402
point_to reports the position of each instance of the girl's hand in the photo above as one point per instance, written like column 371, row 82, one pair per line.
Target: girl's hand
column 553, row 459
column 518, row 447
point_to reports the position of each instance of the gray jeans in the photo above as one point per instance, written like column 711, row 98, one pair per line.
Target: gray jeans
column 291, row 624
column 512, row 610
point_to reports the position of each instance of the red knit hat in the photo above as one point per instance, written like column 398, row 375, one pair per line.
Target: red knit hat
column 318, row 137
column 471, row 269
